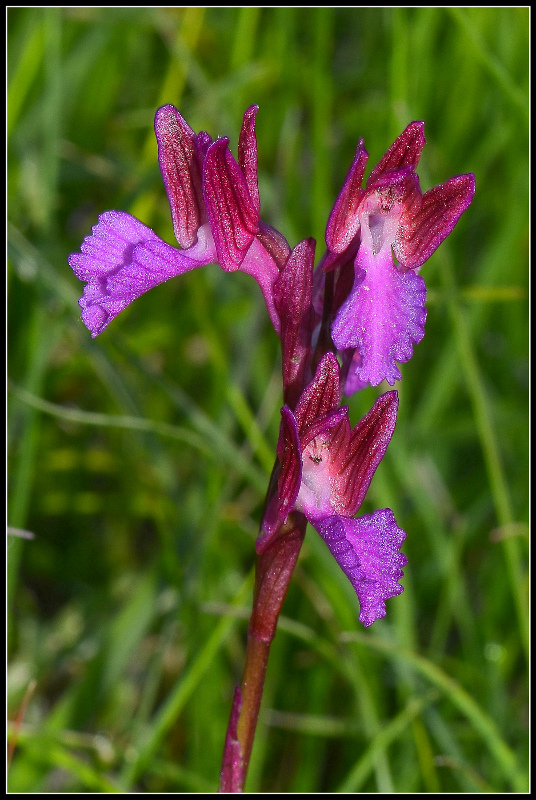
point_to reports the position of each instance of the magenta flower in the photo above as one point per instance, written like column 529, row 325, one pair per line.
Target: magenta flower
column 325, row 471
column 383, row 315
column 215, row 211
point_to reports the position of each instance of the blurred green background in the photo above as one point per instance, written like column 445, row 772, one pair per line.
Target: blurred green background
column 139, row 460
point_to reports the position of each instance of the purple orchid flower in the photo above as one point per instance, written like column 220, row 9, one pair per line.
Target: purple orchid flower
column 383, row 315
column 325, row 471
column 215, row 210
column 363, row 307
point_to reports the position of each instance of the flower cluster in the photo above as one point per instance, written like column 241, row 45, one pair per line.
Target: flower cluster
column 342, row 326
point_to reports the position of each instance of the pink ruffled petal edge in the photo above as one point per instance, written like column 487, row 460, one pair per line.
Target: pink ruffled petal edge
column 122, row 259
column 383, row 316
column 367, row 551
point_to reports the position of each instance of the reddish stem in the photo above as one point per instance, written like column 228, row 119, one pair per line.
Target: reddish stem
column 273, row 572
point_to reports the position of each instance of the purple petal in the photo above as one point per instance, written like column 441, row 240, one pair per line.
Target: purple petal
column 357, row 462
column 321, row 395
column 383, row 316
column 293, row 293
column 122, row 259
column 404, row 152
column 289, row 454
column 233, row 215
column 324, row 426
column 288, row 479
column 343, row 223
column 247, row 155
column 423, row 229
column 367, row 551
column 354, row 384
column 179, row 165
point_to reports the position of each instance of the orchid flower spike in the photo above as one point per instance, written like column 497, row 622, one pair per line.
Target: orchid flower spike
column 325, row 470
column 215, row 210
column 384, row 312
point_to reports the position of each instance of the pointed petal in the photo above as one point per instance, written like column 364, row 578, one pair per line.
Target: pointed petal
column 404, row 152
column 122, row 259
column 422, row 230
column 202, row 143
column 233, row 216
column 321, row 395
column 367, row 551
column 292, row 296
column 247, row 155
column 383, row 316
column 357, row 462
column 289, row 454
column 288, row 473
column 177, row 156
column 343, row 223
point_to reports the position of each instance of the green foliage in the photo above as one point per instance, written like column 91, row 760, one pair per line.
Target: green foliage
column 139, row 460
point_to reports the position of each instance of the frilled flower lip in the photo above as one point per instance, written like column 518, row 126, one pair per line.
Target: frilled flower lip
column 122, row 259
column 382, row 318
column 367, row 550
